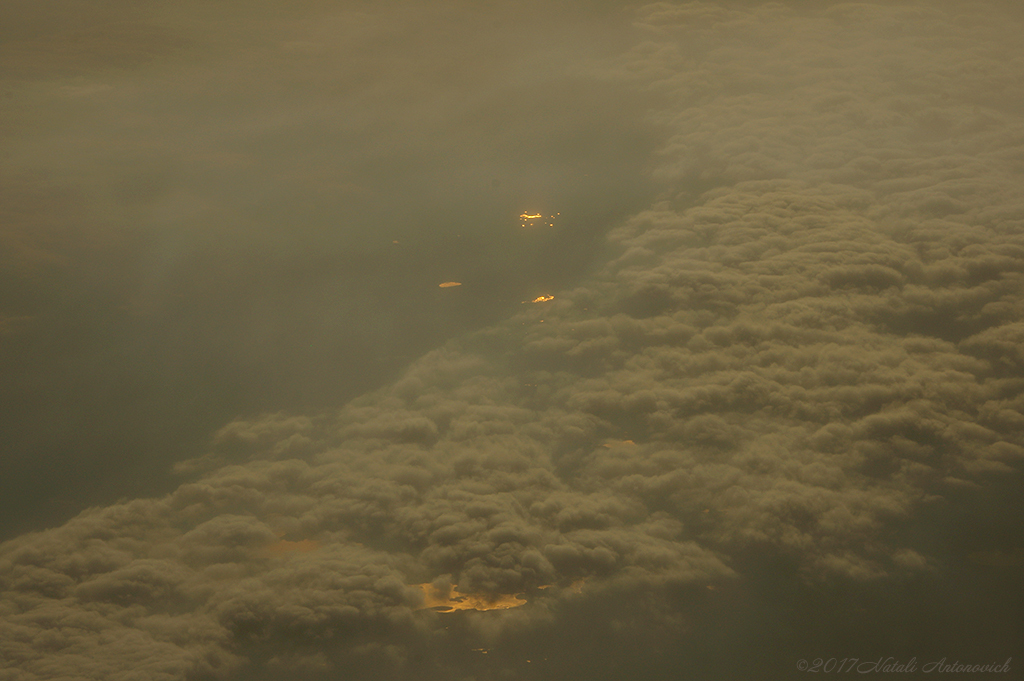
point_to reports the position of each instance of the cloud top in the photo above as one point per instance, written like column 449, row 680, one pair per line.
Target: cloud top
column 814, row 338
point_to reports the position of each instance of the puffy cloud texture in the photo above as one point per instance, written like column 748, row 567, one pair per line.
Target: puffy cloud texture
column 790, row 365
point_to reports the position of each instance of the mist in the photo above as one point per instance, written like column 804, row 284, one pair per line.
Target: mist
column 217, row 211
column 494, row 341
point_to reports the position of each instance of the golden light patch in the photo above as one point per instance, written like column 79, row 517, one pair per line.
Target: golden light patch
column 452, row 601
column 449, row 284
column 541, row 299
column 533, row 219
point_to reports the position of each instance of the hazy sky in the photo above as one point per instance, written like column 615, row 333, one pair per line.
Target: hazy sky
column 774, row 411
column 201, row 207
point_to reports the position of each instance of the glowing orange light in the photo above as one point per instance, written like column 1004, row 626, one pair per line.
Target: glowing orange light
column 452, row 601
column 541, row 299
column 527, row 216
column 449, row 284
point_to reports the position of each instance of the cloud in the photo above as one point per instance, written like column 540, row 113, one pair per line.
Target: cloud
column 808, row 346
column 199, row 210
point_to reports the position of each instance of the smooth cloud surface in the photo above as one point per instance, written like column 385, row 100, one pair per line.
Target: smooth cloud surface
column 794, row 363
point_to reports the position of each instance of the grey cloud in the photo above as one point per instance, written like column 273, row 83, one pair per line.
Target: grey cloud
column 796, row 366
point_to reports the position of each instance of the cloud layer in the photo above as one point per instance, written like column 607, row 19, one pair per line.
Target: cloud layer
column 807, row 347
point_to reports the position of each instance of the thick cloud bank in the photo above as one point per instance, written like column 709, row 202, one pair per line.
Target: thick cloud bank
column 807, row 350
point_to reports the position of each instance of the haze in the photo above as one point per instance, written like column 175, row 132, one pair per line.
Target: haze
column 517, row 340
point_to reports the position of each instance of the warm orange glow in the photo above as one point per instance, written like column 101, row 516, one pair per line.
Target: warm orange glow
column 531, row 219
column 540, row 299
column 452, row 601
column 449, row 284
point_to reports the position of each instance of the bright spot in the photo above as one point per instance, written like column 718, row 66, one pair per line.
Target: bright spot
column 449, row 284
column 540, row 299
column 452, row 601
column 537, row 219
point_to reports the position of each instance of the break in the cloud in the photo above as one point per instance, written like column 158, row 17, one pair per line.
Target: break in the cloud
column 796, row 359
column 213, row 209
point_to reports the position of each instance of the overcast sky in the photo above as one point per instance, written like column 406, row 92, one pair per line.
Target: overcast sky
column 767, row 407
